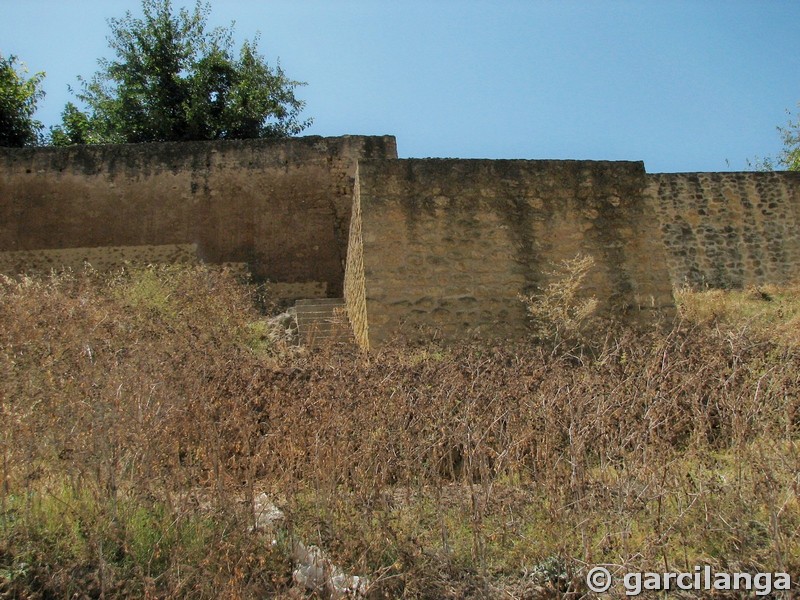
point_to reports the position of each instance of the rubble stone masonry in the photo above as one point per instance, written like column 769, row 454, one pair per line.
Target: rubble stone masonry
column 729, row 230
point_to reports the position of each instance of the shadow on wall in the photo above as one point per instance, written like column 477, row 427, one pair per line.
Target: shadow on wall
column 280, row 206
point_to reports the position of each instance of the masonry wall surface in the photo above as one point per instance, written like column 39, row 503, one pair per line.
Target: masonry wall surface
column 729, row 230
column 282, row 207
column 450, row 244
column 354, row 283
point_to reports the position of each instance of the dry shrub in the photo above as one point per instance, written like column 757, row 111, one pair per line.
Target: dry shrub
column 128, row 407
column 761, row 311
column 139, row 420
column 486, row 461
column 561, row 313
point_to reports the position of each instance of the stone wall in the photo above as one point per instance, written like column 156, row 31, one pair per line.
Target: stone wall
column 729, row 230
column 102, row 259
column 354, row 285
column 443, row 244
column 282, row 207
column 450, row 244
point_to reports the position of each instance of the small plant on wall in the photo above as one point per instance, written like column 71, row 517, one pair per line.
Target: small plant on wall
column 560, row 314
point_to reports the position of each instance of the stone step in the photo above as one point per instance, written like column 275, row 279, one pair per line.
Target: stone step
column 322, row 320
column 320, row 302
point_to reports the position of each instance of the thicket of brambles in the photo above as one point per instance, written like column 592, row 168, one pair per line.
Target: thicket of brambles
column 142, row 412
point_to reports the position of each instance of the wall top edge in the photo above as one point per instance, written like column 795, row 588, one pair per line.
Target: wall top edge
column 308, row 140
column 727, row 174
column 565, row 161
column 143, row 159
column 433, row 167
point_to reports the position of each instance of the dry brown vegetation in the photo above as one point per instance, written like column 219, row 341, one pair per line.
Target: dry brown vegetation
column 142, row 412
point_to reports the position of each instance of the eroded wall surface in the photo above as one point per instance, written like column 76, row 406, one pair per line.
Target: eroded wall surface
column 449, row 245
column 282, row 207
column 354, row 283
column 729, row 230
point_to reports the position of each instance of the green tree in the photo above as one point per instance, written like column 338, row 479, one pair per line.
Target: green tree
column 790, row 155
column 172, row 79
column 18, row 98
column 75, row 128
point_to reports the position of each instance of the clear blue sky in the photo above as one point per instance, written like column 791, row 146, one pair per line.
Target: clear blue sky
column 693, row 85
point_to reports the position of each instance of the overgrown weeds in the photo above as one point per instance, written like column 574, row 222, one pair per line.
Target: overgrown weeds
column 139, row 422
column 765, row 311
column 562, row 315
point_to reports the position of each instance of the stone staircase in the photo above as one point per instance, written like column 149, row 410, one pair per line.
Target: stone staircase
column 322, row 321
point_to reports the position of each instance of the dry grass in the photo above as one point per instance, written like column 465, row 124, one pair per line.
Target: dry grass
column 141, row 415
column 766, row 311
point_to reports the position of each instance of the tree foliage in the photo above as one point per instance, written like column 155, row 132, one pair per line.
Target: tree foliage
column 75, row 128
column 18, row 98
column 174, row 79
column 790, row 155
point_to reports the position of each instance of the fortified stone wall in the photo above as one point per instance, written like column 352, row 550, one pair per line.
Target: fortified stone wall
column 282, row 207
column 729, row 230
column 450, row 244
column 440, row 243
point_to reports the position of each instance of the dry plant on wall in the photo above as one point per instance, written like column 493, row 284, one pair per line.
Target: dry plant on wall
column 560, row 314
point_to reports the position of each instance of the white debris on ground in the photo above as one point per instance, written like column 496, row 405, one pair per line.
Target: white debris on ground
column 313, row 569
column 318, row 574
column 283, row 327
column 267, row 515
